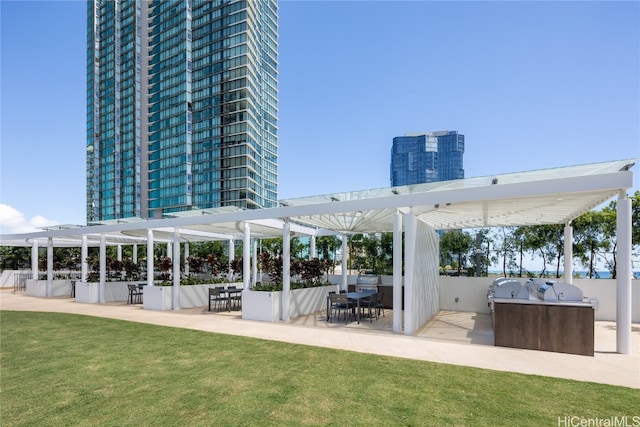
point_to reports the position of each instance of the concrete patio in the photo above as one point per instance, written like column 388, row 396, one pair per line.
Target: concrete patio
column 459, row 338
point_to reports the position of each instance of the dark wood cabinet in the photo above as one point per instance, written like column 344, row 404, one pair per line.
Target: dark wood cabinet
column 562, row 328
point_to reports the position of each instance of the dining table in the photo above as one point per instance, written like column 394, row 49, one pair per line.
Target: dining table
column 356, row 297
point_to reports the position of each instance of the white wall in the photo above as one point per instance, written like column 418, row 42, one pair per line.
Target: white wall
column 471, row 293
column 6, row 277
column 604, row 290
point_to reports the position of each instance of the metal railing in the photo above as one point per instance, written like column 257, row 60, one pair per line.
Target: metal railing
column 20, row 281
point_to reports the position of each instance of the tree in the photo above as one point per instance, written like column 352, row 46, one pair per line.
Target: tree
column 456, row 243
column 272, row 246
column 592, row 238
column 481, row 257
column 635, row 218
column 204, row 249
column 327, row 247
column 15, row 258
column 355, row 247
column 546, row 241
column 297, row 247
column 506, row 245
column 371, row 253
column 610, row 242
column 386, row 253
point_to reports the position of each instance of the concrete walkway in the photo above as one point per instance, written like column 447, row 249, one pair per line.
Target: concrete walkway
column 606, row 366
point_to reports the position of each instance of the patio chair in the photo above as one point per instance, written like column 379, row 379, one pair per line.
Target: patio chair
column 235, row 299
column 135, row 294
column 371, row 305
column 380, row 303
column 216, row 298
column 339, row 303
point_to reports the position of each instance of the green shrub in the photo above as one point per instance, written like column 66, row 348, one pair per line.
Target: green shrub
column 272, row 287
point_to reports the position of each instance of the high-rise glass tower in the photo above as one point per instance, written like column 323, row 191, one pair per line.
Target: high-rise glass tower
column 181, row 106
column 427, row 157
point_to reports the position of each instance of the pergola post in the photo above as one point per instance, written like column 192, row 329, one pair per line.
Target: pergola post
column 344, row 283
column 254, row 262
column 231, row 257
column 397, row 273
column 286, row 269
column 50, row 267
column 84, row 254
column 119, row 252
column 623, row 275
column 176, row 269
column 149, row 257
column 312, row 248
column 568, row 253
column 409, row 263
column 34, row 260
column 103, row 269
column 246, row 256
column 134, row 254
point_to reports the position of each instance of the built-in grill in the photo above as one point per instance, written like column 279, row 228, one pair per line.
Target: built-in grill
column 559, row 291
column 554, row 291
column 367, row 282
column 534, row 284
column 517, row 312
column 508, row 288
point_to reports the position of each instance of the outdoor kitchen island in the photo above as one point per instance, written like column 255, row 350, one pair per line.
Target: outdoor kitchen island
column 541, row 315
column 563, row 327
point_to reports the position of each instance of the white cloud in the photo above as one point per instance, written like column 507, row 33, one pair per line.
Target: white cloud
column 12, row 221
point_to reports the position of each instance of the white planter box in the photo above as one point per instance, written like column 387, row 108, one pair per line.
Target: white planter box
column 261, row 305
column 157, row 297
column 267, row 306
column 87, row 292
column 38, row 288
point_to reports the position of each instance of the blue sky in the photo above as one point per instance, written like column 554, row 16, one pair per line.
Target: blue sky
column 531, row 85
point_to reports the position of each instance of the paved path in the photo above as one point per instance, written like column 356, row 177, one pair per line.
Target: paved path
column 605, row 367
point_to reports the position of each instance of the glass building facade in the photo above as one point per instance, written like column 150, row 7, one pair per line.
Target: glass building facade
column 427, row 157
column 181, row 106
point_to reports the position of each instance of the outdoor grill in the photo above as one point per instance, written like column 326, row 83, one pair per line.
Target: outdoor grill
column 508, row 288
column 505, row 288
column 542, row 314
column 534, row 284
column 367, row 282
column 559, row 291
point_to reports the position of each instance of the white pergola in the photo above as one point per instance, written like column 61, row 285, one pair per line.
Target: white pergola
column 550, row 196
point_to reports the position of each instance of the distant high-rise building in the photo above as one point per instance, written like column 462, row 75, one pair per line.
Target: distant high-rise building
column 427, row 157
column 181, row 106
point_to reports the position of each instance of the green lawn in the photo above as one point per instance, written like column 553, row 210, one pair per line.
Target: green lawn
column 71, row 370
